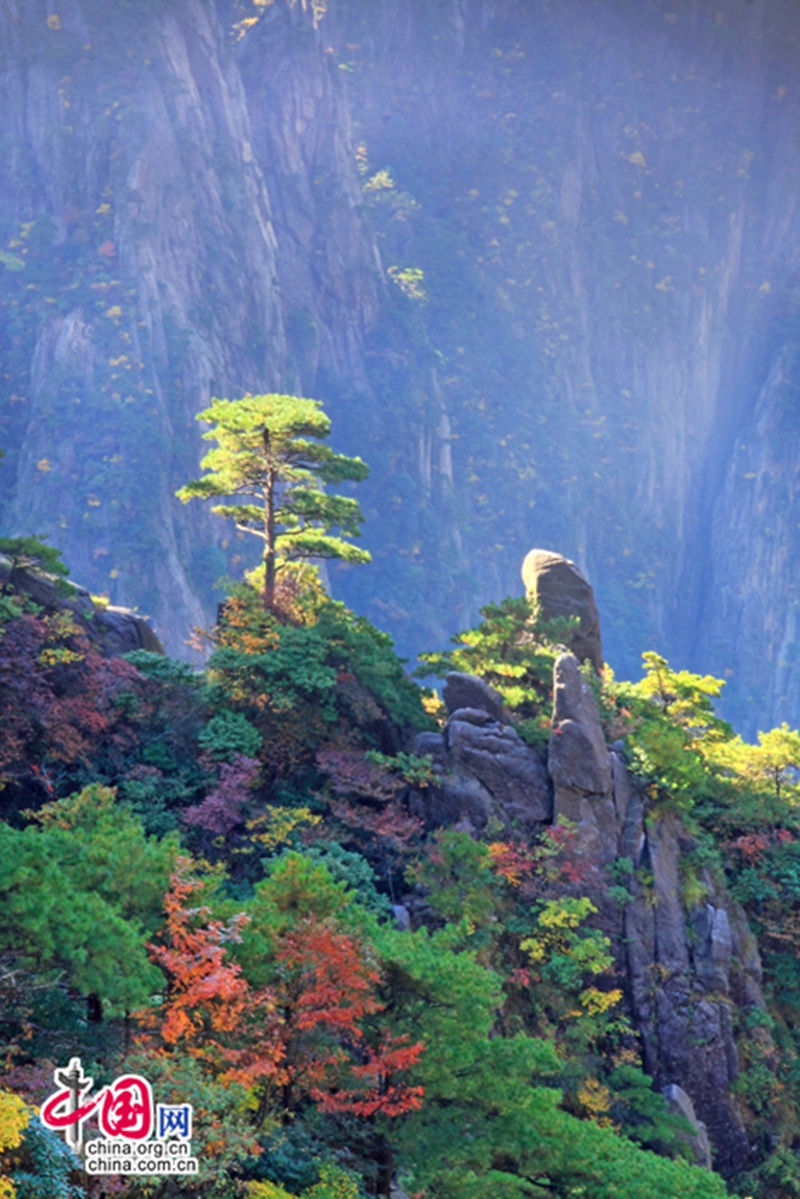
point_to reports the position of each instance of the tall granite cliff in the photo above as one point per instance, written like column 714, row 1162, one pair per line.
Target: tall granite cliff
column 687, row 963
column 537, row 258
column 624, row 183
column 143, row 274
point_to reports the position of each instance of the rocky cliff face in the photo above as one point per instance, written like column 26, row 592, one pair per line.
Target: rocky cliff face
column 128, row 147
column 113, row 631
column 142, row 276
column 751, row 615
column 624, row 181
column 690, row 970
column 597, row 357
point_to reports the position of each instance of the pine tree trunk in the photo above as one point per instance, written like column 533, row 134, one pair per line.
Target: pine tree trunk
column 269, row 536
column 385, row 1168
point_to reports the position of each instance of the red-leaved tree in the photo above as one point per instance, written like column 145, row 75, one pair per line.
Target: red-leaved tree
column 382, row 1090
column 368, row 810
column 210, row 1010
column 57, row 699
column 221, row 810
column 301, row 1037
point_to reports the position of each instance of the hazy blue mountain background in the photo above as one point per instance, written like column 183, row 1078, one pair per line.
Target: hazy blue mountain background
column 538, row 258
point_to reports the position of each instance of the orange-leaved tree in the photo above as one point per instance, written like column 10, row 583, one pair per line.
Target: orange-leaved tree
column 293, row 1023
column 210, row 1010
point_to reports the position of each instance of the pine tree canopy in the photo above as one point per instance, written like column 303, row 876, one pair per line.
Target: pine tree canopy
column 271, row 461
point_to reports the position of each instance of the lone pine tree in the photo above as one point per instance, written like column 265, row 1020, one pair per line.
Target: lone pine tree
column 271, row 459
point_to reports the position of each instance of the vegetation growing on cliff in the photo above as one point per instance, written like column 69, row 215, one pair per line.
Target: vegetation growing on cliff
column 206, row 873
column 513, row 649
column 250, row 962
column 226, row 879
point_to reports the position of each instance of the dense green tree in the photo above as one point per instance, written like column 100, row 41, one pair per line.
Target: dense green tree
column 491, row 1124
column 304, row 681
column 768, row 771
column 270, row 456
column 672, row 730
column 80, row 891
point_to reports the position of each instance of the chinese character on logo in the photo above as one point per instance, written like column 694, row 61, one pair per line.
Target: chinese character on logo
column 174, row 1119
column 128, row 1109
column 125, row 1109
column 69, row 1107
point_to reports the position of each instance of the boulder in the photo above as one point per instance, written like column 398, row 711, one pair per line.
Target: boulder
column 402, row 917
column 468, row 691
column 118, row 631
column 485, row 770
column 578, row 758
column 46, row 590
column 559, row 589
column 499, row 759
column 432, row 745
column 680, row 1104
column 462, row 802
column 113, row 631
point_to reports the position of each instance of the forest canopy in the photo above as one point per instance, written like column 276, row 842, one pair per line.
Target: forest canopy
column 225, row 851
column 233, row 882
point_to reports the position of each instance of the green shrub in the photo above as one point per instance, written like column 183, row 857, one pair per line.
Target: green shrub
column 230, row 733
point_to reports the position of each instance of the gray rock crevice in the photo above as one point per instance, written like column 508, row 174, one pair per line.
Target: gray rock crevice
column 486, row 770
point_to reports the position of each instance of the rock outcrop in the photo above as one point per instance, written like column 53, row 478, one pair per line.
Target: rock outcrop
column 578, row 756
column 509, row 770
column 468, row 691
column 686, row 968
column 112, row 630
column 681, row 964
column 590, row 788
column 486, row 769
column 681, row 967
column 117, row 631
column 559, row 589
column 680, row 1104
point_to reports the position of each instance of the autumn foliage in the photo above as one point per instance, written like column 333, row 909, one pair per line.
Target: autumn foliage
column 221, row 810
column 208, row 1001
column 300, row 1036
column 57, row 698
column 380, row 1074
column 306, row 1020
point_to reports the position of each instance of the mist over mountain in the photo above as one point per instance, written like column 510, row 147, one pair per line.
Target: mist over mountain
column 537, row 259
